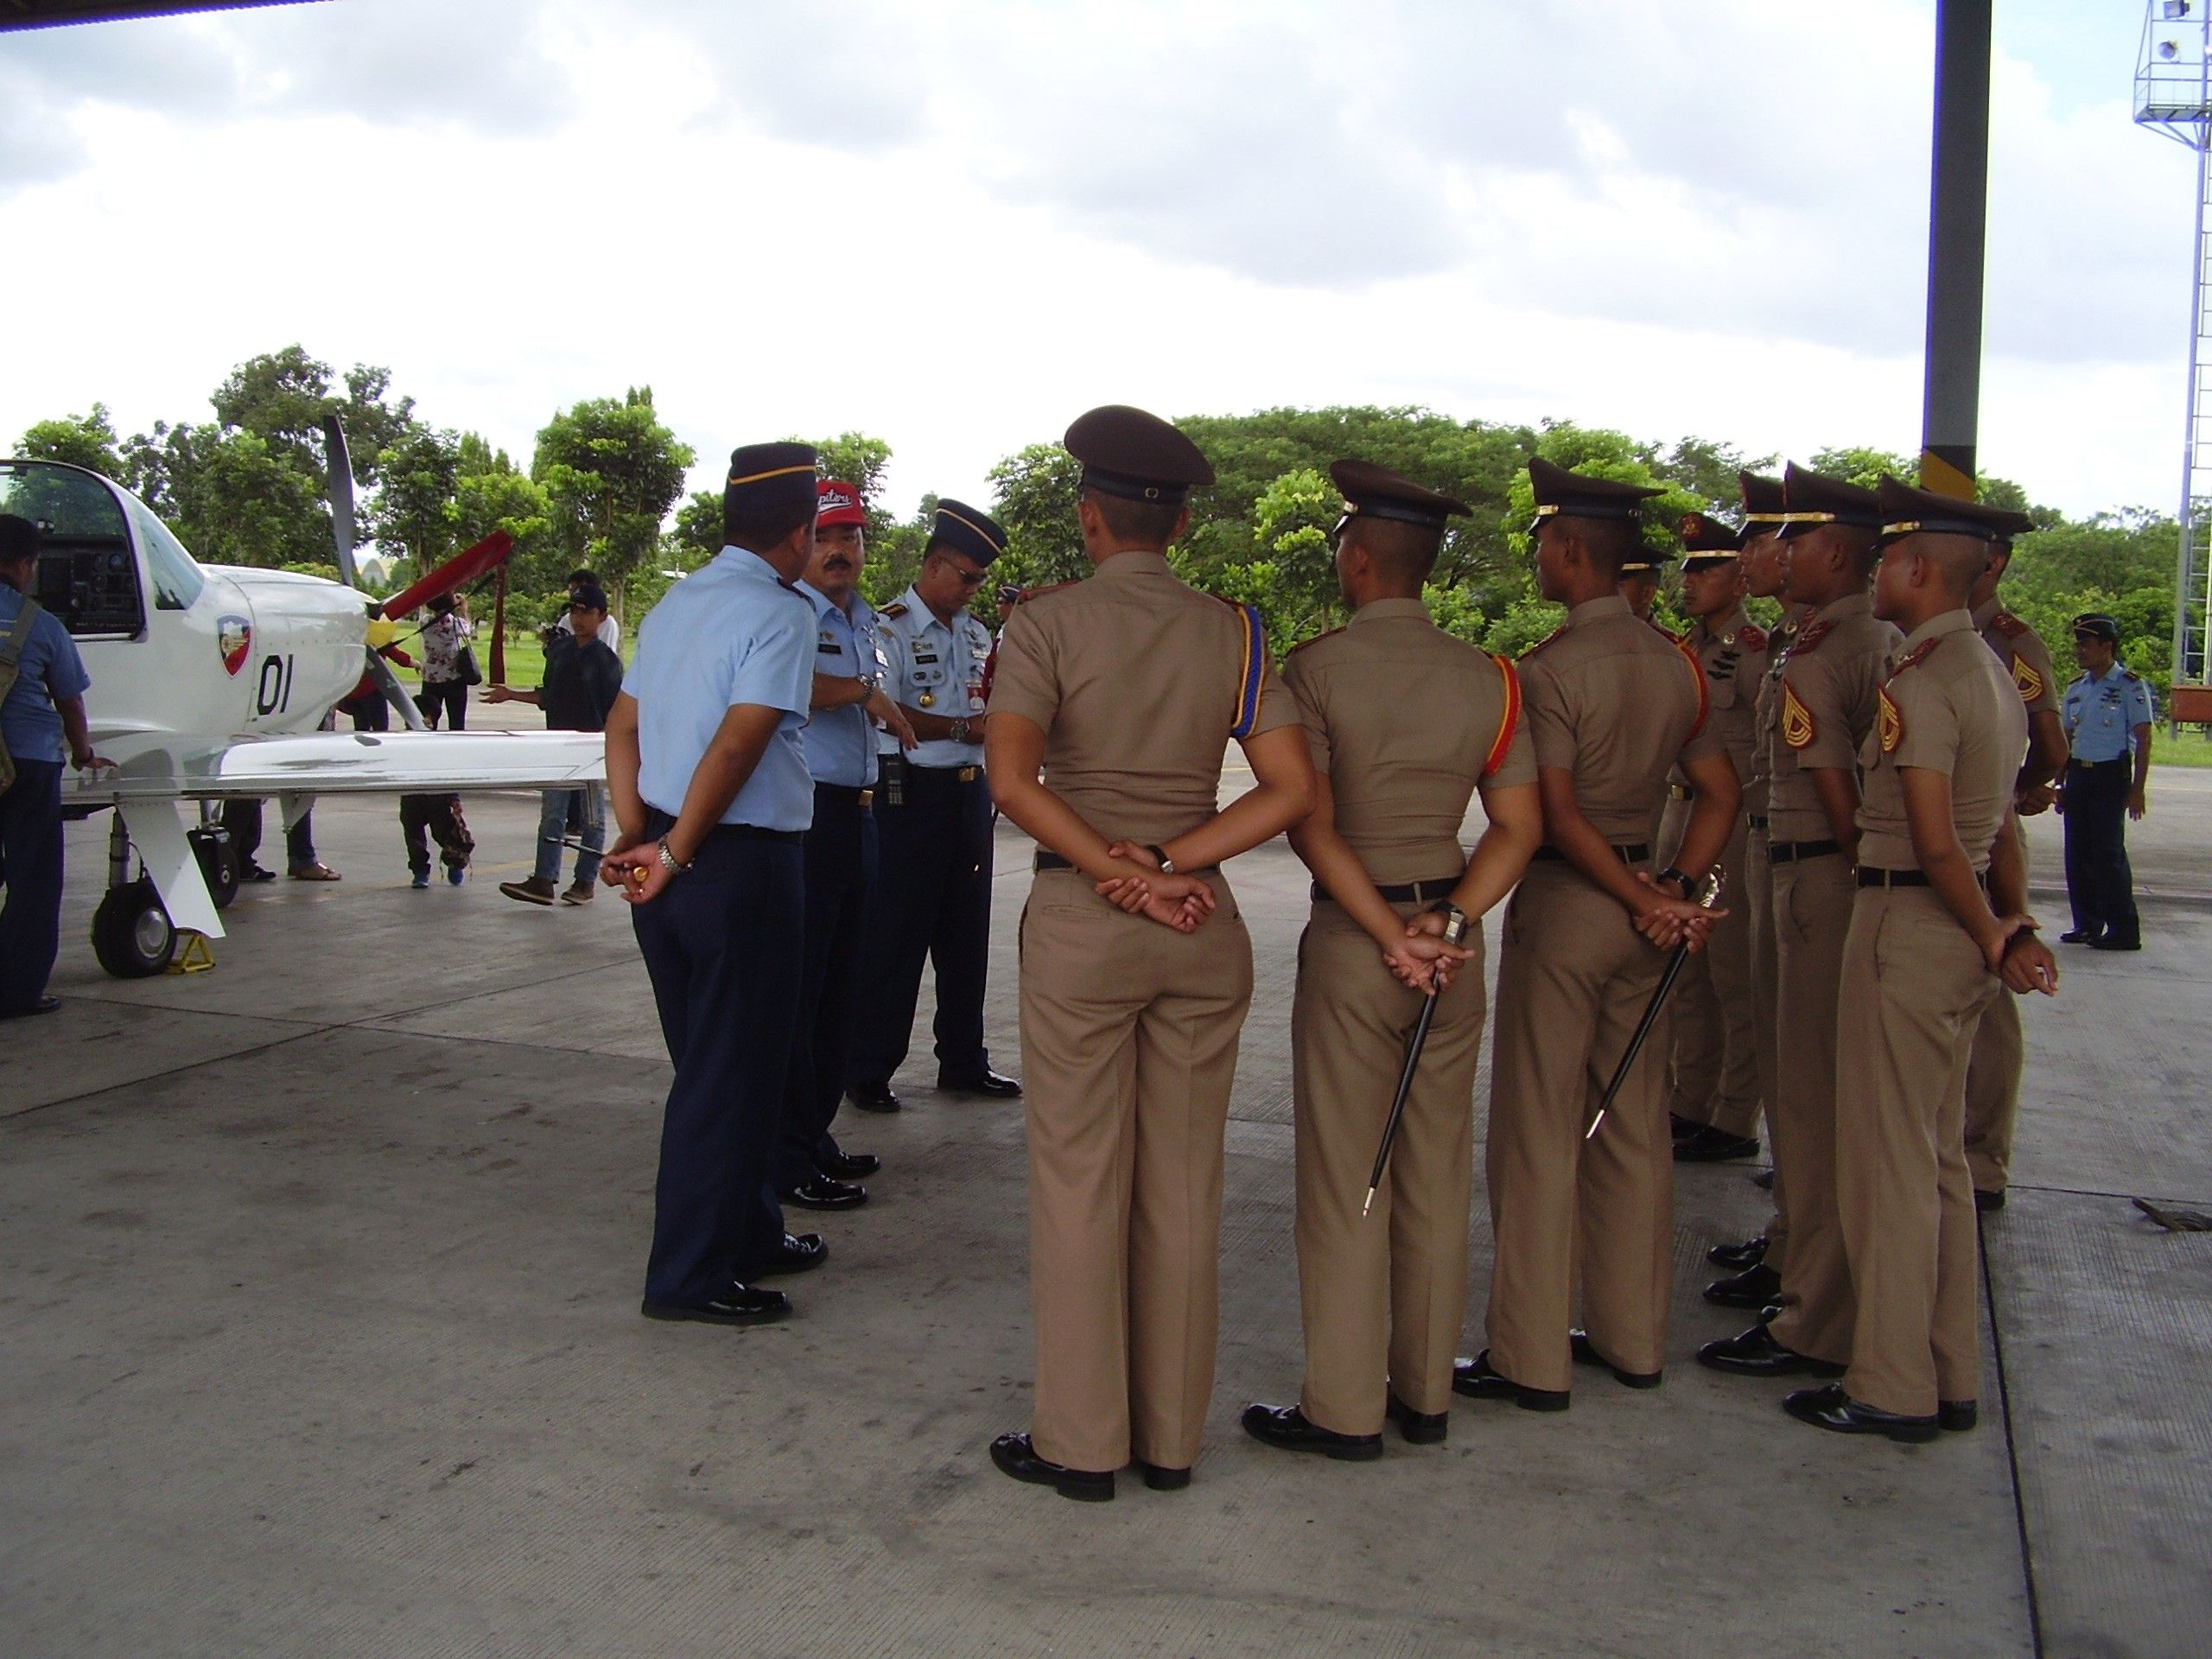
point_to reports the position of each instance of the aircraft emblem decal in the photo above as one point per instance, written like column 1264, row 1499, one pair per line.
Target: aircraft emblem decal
column 234, row 635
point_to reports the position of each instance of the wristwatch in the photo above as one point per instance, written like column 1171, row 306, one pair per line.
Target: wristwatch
column 1670, row 874
column 1166, row 864
column 667, row 860
column 960, row 728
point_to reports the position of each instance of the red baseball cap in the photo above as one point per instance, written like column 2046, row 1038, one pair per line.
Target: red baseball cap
column 837, row 503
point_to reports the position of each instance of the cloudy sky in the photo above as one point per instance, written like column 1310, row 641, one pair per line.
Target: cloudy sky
column 956, row 225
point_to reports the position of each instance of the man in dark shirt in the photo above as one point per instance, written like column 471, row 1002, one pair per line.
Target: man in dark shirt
column 582, row 679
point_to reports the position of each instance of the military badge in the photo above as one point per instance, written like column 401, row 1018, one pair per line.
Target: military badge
column 2027, row 679
column 1890, row 724
column 1796, row 719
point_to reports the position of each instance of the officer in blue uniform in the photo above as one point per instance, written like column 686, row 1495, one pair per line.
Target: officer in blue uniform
column 709, row 786
column 2107, row 714
column 933, row 821
column 811, row 1170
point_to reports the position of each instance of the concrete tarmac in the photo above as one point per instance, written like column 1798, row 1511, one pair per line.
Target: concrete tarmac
column 319, row 1335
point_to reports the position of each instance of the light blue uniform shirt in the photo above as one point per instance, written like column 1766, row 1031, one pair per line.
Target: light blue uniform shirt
column 841, row 742
column 2102, row 714
column 48, row 668
column 937, row 668
column 729, row 633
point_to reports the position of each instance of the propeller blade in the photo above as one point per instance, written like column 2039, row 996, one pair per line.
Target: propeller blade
column 396, row 694
column 340, row 465
column 486, row 556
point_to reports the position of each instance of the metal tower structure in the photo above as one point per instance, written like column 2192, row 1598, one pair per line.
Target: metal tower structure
column 2173, row 95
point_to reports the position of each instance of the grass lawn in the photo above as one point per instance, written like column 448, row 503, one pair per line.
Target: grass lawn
column 2191, row 748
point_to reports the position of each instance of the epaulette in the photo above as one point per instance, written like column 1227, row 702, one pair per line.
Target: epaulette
column 1810, row 635
column 1542, row 642
column 1668, row 634
column 2130, row 674
column 896, row 607
column 1028, row 594
column 1914, row 657
column 2009, row 625
column 1315, row 640
column 1752, row 636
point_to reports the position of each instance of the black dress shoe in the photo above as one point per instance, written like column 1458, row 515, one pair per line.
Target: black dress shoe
column 1756, row 1353
column 1754, row 1287
column 253, row 872
column 1161, row 1478
column 1832, row 1409
column 1763, row 1180
column 1016, row 1456
column 874, row 1097
column 1985, row 1199
column 1682, row 1127
column 1749, row 1254
column 823, row 1193
column 847, row 1165
column 1585, row 1353
column 46, row 1004
column 1287, row 1427
column 1475, row 1379
column 2112, row 942
column 2077, row 936
column 987, row 1082
column 1711, row 1146
column 1420, row 1427
column 797, row 1254
column 1956, row 1416
column 738, row 1305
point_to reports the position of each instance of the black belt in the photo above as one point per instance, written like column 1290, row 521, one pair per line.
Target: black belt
column 1796, row 852
column 1634, row 855
column 1053, row 862
column 946, row 775
column 659, row 823
column 843, row 794
column 1872, row 875
column 2092, row 765
column 1757, row 820
column 1410, row 892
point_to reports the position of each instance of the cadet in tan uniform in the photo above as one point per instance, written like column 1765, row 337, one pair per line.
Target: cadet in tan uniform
column 1714, row 1102
column 1136, row 967
column 1405, row 723
column 1642, row 572
column 1612, row 704
column 1926, row 951
column 1999, row 1046
column 1825, row 704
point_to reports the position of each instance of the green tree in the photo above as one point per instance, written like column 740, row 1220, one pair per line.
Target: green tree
column 1034, row 497
column 412, row 515
column 82, row 440
column 612, row 471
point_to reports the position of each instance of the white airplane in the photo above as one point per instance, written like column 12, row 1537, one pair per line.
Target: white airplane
column 210, row 682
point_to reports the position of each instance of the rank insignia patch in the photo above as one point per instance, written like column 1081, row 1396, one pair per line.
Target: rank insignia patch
column 1796, row 719
column 1890, row 724
column 2027, row 679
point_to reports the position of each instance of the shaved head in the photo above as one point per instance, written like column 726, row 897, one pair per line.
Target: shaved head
column 1404, row 553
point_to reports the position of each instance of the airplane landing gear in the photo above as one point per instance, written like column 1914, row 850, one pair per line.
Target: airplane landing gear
column 131, row 934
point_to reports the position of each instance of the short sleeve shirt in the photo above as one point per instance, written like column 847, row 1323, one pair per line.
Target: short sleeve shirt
column 841, row 742
column 1139, row 683
column 1732, row 650
column 442, row 638
column 1406, row 722
column 1618, row 703
column 937, row 667
column 2100, row 716
column 2022, row 651
column 1949, row 707
column 1821, row 709
column 49, row 668
column 727, row 634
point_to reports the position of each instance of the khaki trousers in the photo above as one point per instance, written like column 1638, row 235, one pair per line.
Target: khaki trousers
column 1758, row 897
column 2000, row 1053
column 1383, row 1295
column 1574, row 978
column 1714, row 1069
column 1812, row 916
column 1914, row 988
column 1128, row 1048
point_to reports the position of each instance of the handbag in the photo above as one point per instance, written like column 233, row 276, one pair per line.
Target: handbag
column 464, row 665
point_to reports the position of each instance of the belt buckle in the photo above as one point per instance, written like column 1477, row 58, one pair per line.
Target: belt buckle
column 968, row 775
column 867, row 798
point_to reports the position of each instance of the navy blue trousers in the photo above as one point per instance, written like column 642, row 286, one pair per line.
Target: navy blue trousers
column 933, row 903
column 30, row 871
column 719, row 944
column 2099, row 882
column 840, row 870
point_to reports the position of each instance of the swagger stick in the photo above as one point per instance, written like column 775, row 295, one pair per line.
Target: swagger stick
column 1706, row 901
column 1455, row 929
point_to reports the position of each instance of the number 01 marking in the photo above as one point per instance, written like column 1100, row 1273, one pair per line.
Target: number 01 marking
column 273, row 694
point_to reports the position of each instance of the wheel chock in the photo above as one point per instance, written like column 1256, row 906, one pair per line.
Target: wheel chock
column 193, row 954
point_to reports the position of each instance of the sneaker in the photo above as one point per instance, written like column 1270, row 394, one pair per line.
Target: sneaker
column 534, row 891
column 578, row 894
column 456, row 873
column 419, row 881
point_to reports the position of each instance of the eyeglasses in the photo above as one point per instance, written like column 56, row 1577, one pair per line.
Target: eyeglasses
column 970, row 579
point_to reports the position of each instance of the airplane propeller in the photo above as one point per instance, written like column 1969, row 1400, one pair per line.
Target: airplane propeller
column 339, row 466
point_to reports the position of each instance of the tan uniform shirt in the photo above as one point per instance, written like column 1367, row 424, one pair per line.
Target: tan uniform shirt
column 1733, row 655
column 1139, row 756
column 1821, row 709
column 1616, row 701
column 1406, row 722
column 1778, row 643
column 2022, row 651
column 1950, row 707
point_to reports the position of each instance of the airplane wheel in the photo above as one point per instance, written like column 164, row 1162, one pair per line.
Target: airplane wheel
column 131, row 934
column 219, row 866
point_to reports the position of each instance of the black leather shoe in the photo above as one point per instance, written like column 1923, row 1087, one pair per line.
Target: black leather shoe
column 1475, row 1379
column 1016, row 1456
column 874, row 1097
column 1956, row 1416
column 738, row 1305
column 1585, row 1353
column 797, row 1254
column 2110, row 942
column 1756, row 1353
column 1682, row 1127
column 1984, row 1198
column 46, row 1004
column 1420, row 1427
column 2077, row 936
column 1287, row 1427
column 1753, row 1287
column 823, row 1193
column 1711, row 1146
column 253, row 872
column 1832, row 1409
column 1161, row 1478
column 848, row 1165
column 1763, row 1180
column 1749, row 1254
column 987, row 1082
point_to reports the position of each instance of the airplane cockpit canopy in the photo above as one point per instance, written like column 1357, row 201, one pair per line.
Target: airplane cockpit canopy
column 86, row 574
